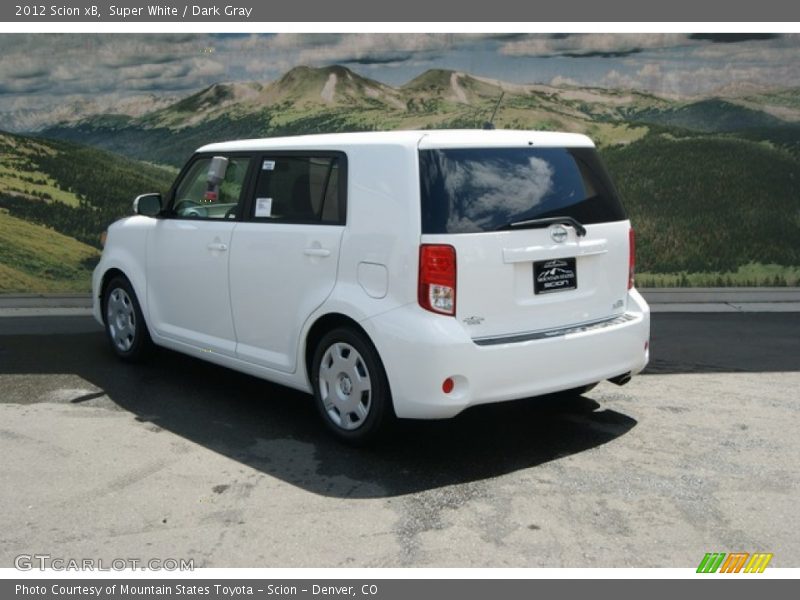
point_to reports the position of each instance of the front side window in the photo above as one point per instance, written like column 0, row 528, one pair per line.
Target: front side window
column 299, row 189
column 211, row 189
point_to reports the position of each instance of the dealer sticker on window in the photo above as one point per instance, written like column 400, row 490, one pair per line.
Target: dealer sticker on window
column 263, row 207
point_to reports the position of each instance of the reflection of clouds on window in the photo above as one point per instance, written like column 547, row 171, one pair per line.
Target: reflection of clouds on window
column 495, row 186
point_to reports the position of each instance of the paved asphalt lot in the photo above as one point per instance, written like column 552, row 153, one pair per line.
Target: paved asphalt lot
column 181, row 459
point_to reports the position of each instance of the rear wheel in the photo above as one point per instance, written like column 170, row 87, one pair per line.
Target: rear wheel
column 125, row 326
column 350, row 386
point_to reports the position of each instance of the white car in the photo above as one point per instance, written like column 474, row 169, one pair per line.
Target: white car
column 402, row 274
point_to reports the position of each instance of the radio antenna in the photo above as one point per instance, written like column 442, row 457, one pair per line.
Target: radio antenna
column 490, row 123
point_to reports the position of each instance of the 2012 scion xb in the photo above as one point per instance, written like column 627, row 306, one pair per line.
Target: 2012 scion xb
column 398, row 274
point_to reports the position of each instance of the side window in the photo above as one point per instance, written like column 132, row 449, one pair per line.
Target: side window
column 298, row 189
column 211, row 189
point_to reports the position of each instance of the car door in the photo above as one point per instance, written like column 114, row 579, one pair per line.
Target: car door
column 188, row 252
column 284, row 255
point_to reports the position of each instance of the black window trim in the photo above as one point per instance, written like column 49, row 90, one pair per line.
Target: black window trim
column 262, row 155
column 247, row 186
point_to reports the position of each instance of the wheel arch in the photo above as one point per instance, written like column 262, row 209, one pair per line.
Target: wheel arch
column 109, row 275
column 381, row 417
column 324, row 324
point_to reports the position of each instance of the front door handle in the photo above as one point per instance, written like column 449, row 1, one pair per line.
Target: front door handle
column 322, row 252
column 218, row 246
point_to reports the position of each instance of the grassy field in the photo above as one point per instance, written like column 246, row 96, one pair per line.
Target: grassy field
column 38, row 259
column 750, row 275
column 20, row 175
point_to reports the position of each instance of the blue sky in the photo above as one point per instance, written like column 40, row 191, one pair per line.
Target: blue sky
column 42, row 72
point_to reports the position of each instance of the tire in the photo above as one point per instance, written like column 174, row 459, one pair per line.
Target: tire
column 345, row 364
column 124, row 323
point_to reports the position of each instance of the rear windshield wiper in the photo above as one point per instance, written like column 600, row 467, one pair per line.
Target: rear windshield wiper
column 544, row 222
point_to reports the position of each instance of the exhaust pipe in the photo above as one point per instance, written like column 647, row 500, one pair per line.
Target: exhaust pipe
column 621, row 379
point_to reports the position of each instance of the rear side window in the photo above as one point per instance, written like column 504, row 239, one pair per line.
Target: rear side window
column 299, row 189
column 475, row 190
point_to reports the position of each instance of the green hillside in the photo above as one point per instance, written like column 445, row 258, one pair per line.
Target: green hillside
column 159, row 145
column 706, row 203
column 21, row 174
column 37, row 259
column 713, row 115
column 75, row 190
column 712, row 185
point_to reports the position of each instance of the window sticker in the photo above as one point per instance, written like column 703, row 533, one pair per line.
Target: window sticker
column 263, row 207
column 268, row 165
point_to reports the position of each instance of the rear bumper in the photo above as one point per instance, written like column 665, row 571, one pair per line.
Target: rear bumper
column 420, row 350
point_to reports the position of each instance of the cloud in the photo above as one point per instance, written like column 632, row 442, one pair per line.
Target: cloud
column 374, row 48
column 587, row 45
column 41, row 70
column 383, row 59
column 152, row 71
column 677, row 78
column 23, row 67
column 22, row 86
column 293, row 41
column 732, row 38
column 561, row 81
column 778, row 50
column 97, row 63
column 601, row 54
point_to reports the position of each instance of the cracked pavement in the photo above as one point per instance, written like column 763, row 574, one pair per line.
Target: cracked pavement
column 182, row 459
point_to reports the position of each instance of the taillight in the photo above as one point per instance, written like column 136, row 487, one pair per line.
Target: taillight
column 631, row 256
column 437, row 278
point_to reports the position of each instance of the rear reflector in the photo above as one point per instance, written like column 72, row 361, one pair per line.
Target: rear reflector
column 448, row 385
column 437, row 278
column 631, row 256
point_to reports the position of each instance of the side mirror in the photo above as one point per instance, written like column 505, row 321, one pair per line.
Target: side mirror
column 148, row 205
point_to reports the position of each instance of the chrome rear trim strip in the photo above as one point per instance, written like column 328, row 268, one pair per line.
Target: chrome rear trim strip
column 551, row 333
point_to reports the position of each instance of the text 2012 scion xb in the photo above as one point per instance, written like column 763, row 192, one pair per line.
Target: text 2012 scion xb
column 393, row 275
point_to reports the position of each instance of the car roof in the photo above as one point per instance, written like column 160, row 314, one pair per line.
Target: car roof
column 422, row 139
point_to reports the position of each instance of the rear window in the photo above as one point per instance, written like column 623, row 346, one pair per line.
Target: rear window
column 474, row 190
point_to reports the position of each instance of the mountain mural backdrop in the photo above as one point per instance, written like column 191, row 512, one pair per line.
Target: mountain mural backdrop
column 711, row 181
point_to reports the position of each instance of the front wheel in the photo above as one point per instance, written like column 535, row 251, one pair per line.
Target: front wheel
column 125, row 326
column 350, row 386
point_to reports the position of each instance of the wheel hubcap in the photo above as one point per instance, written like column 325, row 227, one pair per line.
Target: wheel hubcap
column 344, row 386
column 121, row 319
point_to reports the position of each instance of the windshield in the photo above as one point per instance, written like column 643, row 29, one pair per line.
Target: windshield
column 474, row 190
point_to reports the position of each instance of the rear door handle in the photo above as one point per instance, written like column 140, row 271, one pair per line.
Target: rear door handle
column 218, row 246
column 322, row 252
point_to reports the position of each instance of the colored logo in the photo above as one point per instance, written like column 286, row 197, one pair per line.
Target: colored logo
column 735, row 562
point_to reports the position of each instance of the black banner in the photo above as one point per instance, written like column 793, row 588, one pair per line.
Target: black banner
column 259, row 11
column 392, row 589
